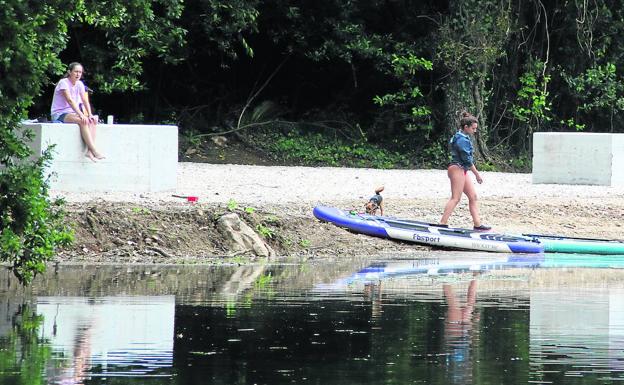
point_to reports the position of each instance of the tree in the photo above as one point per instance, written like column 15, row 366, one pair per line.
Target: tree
column 31, row 226
column 34, row 33
column 472, row 39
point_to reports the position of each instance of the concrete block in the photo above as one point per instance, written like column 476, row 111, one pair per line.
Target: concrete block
column 139, row 158
column 578, row 158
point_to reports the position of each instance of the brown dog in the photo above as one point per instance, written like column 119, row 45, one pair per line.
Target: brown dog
column 375, row 203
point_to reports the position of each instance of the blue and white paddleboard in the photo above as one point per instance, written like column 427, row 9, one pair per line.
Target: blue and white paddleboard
column 426, row 233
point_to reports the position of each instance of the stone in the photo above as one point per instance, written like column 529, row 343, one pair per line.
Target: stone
column 242, row 238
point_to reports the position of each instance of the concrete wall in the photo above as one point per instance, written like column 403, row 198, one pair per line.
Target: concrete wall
column 617, row 175
column 139, row 158
column 578, row 158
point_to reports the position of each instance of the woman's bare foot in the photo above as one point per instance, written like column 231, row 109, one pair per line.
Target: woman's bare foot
column 91, row 156
column 98, row 156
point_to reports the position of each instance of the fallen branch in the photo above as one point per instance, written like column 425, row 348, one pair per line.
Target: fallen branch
column 160, row 251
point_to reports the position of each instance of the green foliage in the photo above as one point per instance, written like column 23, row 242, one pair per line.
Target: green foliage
column 436, row 155
column 409, row 96
column 23, row 356
column 369, row 45
column 265, row 231
column 140, row 210
column 305, row 243
column 487, row 166
column 571, row 124
column 263, row 281
column 272, row 220
column 134, row 30
column 224, row 25
column 589, row 64
column 472, row 39
column 31, row 225
column 314, row 149
column 192, row 139
column 597, row 89
column 232, row 205
column 521, row 163
column 532, row 106
column 473, row 36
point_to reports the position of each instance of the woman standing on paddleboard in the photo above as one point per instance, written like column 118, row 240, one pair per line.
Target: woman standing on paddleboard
column 462, row 161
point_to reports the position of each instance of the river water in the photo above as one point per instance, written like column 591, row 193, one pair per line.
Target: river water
column 450, row 318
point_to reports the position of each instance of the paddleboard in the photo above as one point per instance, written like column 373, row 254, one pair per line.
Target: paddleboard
column 426, row 233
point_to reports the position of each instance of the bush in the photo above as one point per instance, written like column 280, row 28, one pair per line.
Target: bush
column 32, row 225
column 315, row 149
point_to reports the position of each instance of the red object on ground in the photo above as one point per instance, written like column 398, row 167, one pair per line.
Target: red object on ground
column 191, row 199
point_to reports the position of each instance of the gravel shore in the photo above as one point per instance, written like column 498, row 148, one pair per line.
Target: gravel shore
column 261, row 185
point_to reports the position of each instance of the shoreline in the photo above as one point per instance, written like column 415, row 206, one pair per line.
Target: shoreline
column 159, row 228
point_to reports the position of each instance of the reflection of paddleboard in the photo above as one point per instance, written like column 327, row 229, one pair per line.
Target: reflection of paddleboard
column 392, row 269
column 583, row 260
column 563, row 244
column 428, row 234
column 437, row 266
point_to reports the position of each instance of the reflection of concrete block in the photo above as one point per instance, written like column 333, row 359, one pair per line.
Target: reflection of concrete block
column 139, row 158
column 580, row 329
column 555, row 315
column 138, row 328
column 578, row 158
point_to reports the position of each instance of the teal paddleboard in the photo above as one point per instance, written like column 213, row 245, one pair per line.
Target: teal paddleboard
column 562, row 244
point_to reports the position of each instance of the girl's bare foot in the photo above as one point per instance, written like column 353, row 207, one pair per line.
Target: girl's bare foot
column 91, row 156
column 98, row 156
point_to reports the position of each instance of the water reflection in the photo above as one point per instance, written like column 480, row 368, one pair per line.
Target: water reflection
column 583, row 334
column 456, row 318
column 107, row 336
column 460, row 330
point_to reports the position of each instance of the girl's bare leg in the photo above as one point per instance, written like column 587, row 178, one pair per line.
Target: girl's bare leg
column 457, row 177
column 473, row 205
column 92, row 131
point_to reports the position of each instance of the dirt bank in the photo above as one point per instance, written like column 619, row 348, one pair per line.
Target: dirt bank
column 144, row 231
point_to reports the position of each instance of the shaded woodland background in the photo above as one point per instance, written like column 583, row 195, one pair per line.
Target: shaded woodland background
column 389, row 73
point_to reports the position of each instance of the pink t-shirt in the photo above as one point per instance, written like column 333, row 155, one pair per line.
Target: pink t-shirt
column 59, row 103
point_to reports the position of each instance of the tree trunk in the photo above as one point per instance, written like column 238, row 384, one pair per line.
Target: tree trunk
column 481, row 136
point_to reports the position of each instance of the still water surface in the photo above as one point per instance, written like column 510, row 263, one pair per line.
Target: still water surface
column 449, row 319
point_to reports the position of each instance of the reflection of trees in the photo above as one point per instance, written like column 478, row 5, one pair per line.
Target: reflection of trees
column 181, row 281
column 23, row 356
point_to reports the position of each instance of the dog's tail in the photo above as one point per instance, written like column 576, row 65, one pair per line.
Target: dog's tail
column 379, row 189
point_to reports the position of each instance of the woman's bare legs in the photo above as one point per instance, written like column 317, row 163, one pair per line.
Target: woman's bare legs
column 473, row 206
column 458, row 183
column 87, row 137
column 92, row 130
column 457, row 314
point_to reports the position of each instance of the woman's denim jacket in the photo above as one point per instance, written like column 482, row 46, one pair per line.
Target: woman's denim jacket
column 461, row 150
